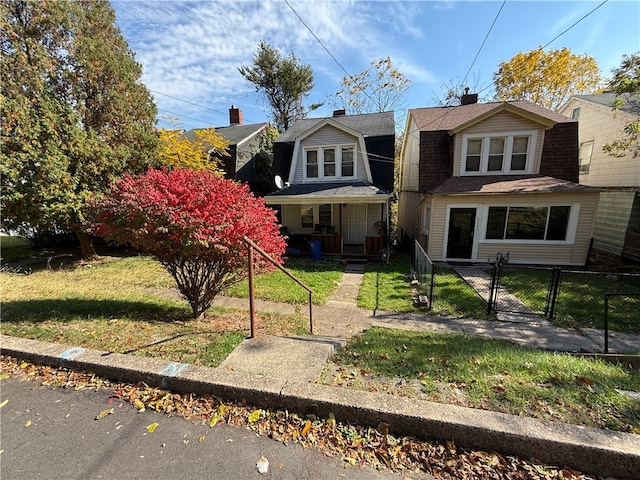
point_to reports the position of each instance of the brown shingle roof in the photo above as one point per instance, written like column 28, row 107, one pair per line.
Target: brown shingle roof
column 492, row 184
column 448, row 118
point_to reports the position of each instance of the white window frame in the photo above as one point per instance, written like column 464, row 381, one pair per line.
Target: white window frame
column 338, row 162
column 508, row 150
column 572, row 225
column 584, row 160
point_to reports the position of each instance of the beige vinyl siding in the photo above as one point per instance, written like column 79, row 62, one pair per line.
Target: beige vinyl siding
column 374, row 214
column 409, row 213
column 411, row 160
column 408, row 196
column 612, row 220
column 574, row 253
column 501, row 122
column 329, row 136
column 601, row 124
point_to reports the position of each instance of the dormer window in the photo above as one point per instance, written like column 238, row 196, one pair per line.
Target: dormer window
column 330, row 162
column 510, row 153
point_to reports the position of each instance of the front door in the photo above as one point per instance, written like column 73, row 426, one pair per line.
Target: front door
column 357, row 223
column 462, row 223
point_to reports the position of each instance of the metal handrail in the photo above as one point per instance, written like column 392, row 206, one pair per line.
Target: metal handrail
column 252, row 246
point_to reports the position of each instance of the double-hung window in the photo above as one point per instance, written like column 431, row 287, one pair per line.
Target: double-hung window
column 330, row 162
column 528, row 223
column 496, row 154
column 312, row 215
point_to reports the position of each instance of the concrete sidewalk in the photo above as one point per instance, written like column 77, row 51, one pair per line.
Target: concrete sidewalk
column 280, row 372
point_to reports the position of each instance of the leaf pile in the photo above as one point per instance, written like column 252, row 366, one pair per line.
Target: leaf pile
column 356, row 445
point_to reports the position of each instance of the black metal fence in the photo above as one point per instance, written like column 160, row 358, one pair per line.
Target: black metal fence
column 622, row 312
column 423, row 274
column 510, row 285
column 570, row 297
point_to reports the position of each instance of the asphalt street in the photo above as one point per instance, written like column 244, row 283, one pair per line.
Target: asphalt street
column 54, row 434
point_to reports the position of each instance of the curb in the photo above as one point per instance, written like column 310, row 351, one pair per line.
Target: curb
column 590, row 450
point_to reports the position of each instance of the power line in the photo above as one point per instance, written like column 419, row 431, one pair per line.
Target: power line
column 549, row 42
column 483, row 41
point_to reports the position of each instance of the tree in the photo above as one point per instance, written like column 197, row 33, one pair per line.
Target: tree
column 546, row 78
column 451, row 92
column 379, row 88
column 625, row 83
column 74, row 113
column 196, row 149
column 283, row 81
column 192, row 222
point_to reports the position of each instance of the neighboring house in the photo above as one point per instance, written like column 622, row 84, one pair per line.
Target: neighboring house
column 244, row 142
column 617, row 226
column 336, row 176
column 479, row 180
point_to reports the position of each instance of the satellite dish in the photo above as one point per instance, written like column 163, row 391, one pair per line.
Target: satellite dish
column 278, row 181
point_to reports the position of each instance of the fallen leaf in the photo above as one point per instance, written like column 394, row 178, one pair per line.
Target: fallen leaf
column 4, row 376
column 104, row 413
column 255, row 415
column 152, row 427
column 27, row 423
column 201, row 439
column 4, row 403
column 305, row 430
column 138, row 405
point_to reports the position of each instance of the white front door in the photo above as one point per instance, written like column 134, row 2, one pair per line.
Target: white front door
column 357, row 223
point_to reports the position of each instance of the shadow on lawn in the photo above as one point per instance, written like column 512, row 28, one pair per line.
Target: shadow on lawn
column 66, row 310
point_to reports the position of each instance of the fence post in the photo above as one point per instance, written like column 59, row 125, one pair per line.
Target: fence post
column 606, row 323
column 494, row 276
column 554, row 290
column 252, row 307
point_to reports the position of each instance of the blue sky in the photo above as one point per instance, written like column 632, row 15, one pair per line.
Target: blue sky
column 191, row 50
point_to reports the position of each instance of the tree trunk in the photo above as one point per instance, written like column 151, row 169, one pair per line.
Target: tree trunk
column 87, row 250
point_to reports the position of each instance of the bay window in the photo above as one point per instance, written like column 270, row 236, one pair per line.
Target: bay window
column 490, row 154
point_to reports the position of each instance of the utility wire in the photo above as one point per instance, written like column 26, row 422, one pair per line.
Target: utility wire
column 549, row 42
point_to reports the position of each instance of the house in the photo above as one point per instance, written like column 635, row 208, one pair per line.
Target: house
column 483, row 179
column 336, row 179
column 244, row 142
column 617, row 226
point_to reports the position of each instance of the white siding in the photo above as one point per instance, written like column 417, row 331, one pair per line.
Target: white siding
column 325, row 137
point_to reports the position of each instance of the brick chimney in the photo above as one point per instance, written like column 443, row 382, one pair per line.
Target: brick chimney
column 468, row 98
column 235, row 116
column 339, row 113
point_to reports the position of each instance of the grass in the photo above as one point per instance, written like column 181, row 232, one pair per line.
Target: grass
column 490, row 374
column 121, row 305
column 387, row 288
column 321, row 276
column 581, row 297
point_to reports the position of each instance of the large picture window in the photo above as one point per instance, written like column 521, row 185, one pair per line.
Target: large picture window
column 528, row 223
column 331, row 162
column 489, row 154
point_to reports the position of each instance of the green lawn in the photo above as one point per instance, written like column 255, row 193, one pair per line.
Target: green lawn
column 581, row 297
column 490, row 374
column 121, row 305
column 388, row 288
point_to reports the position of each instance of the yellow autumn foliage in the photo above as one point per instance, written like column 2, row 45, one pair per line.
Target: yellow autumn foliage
column 196, row 149
column 547, row 78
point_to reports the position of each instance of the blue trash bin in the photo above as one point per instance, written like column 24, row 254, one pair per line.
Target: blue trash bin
column 316, row 251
